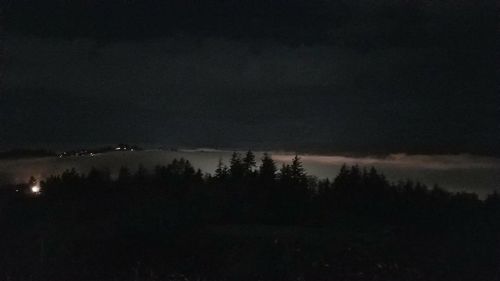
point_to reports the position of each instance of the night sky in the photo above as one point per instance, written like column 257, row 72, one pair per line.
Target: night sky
column 364, row 76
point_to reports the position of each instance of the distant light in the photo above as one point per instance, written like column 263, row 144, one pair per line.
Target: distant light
column 35, row 189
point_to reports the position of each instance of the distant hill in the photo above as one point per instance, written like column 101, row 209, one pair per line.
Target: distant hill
column 26, row 153
column 93, row 151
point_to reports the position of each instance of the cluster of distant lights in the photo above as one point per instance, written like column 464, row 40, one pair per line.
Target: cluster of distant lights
column 120, row 148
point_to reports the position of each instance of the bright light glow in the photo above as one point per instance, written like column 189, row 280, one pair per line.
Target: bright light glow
column 35, row 189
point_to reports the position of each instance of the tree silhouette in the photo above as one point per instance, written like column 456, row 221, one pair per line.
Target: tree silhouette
column 32, row 181
column 298, row 174
column 267, row 170
column 221, row 172
column 236, row 168
column 249, row 162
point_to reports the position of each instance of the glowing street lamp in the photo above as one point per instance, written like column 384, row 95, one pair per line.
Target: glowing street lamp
column 35, row 189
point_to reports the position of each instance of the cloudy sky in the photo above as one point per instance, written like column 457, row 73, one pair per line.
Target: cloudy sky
column 360, row 76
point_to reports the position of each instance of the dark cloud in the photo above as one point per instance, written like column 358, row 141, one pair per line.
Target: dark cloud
column 370, row 76
column 361, row 24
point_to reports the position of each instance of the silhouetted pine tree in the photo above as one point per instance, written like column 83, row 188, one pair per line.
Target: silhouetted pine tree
column 298, row 174
column 221, row 172
column 267, row 170
column 249, row 163
column 236, row 168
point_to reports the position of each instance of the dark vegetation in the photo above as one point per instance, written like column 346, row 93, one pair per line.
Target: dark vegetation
column 248, row 221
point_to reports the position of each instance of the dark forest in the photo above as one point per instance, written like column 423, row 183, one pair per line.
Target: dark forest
column 247, row 221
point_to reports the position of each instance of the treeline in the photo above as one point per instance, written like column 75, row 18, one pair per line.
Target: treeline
column 247, row 191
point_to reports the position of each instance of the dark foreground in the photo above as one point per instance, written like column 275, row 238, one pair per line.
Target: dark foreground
column 245, row 223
